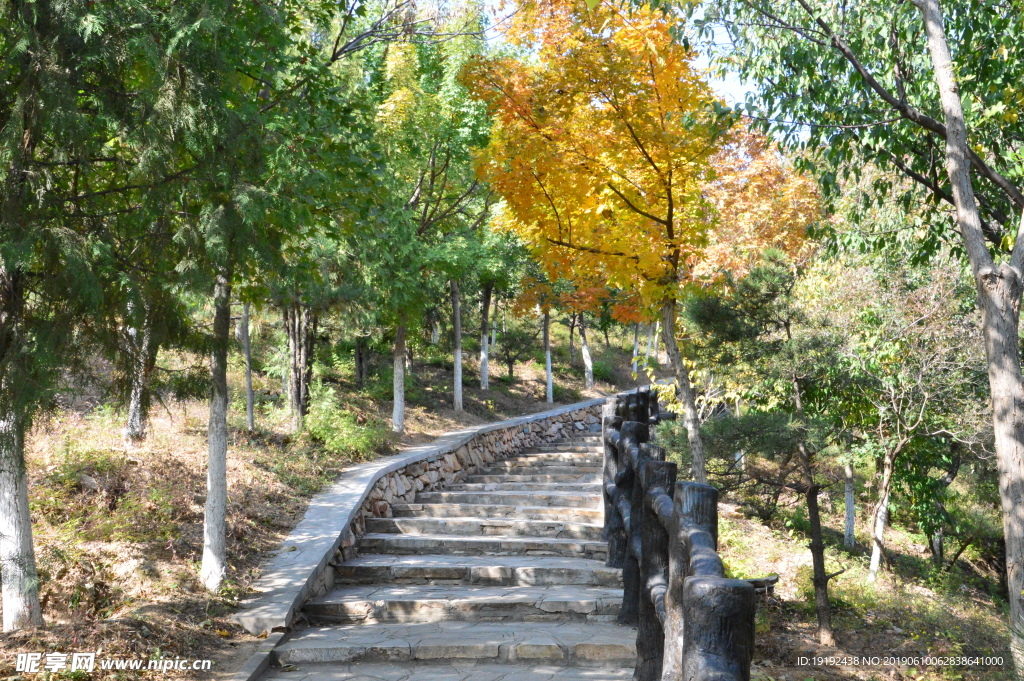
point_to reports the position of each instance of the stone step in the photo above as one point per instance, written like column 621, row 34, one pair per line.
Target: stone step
column 486, row 527
column 571, row 499
column 565, row 449
column 481, row 570
column 563, row 457
column 411, row 544
column 453, row 669
column 575, row 486
column 554, row 477
column 409, row 603
column 548, row 648
column 572, row 515
column 537, row 461
column 519, row 467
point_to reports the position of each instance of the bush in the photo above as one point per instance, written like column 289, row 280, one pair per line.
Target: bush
column 603, row 371
column 805, row 585
column 672, row 436
column 338, row 430
column 562, row 394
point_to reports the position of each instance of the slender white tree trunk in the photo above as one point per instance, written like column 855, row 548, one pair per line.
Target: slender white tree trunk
column 214, row 566
column 549, row 382
column 484, row 352
column 572, row 341
column 636, row 345
column 588, row 363
column 138, row 349
column 17, row 557
column 881, row 517
column 250, row 418
column 457, row 333
column 691, row 419
column 398, row 411
column 485, row 306
column 848, row 536
column 652, row 340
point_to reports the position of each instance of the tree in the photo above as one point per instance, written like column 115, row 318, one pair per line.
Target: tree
column 915, row 372
column 787, row 362
column 516, row 344
column 433, row 206
column 71, row 180
column 865, row 82
column 273, row 102
column 601, row 147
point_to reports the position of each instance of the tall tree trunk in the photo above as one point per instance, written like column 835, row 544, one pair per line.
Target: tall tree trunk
column 848, row 535
column 652, row 343
column 880, row 518
column 215, row 564
column 398, row 387
column 636, row 345
column 549, row 383
column 572, row 346
column 457, row 338
column 300, row 324
column 691, row 419
column 494, row 326
column 936, row 535
column 17, row 557
column 999, row 293
column 588, row 363
column 362, row 360
column 821, row 577
column 140, row 351
column 20, row 583
column 141, row 356
column 485, row 308
column 935, row 543
column 250, row 417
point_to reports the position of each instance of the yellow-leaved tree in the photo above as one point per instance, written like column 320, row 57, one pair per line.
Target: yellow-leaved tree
column 602, row 146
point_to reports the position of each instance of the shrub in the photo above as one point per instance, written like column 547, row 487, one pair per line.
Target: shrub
column 603, row 371
column 338, row 430
column 563, row 394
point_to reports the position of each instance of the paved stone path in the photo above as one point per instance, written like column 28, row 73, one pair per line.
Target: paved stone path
column 500, row 577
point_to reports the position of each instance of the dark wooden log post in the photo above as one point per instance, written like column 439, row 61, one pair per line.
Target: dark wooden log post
column 614, row 530
column 657, row 478
column 718, row 621
column 643, row 412
column 696, row 510
column 698, row 505
column 630, row 504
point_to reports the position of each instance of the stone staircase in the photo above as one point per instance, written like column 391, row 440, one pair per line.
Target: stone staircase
column 500, row 576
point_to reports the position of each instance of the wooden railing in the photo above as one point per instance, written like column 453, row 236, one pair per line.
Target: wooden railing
column 693, row 623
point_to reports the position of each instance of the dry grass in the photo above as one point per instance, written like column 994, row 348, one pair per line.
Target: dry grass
column 898, row 615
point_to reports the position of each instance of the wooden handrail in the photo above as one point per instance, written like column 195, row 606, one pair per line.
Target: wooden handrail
column 692, row 622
